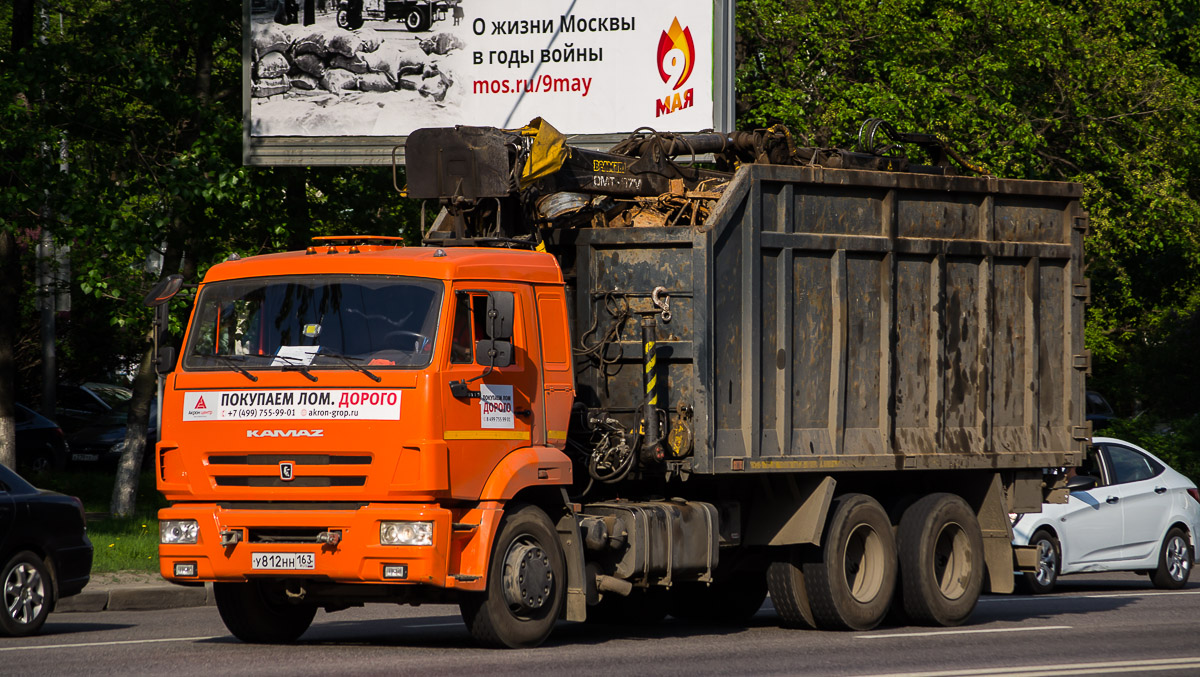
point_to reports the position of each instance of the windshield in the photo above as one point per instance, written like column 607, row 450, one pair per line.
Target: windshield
column 330, row 322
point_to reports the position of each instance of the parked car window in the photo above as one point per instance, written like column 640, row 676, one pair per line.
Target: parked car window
column 1130, row 466
column 1092, row 466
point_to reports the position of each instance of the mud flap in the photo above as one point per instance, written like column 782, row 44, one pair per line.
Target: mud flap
column 572, row 547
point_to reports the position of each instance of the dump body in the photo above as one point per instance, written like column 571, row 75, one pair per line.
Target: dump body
column 828, row 320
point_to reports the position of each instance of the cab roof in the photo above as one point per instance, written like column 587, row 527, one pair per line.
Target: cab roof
column 448, row 263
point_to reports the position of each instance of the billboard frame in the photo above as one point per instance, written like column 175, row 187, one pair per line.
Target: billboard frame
column 332, row 151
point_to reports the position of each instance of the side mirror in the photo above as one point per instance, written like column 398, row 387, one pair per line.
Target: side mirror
column 500, row 311
column 1082, row 483
column 494, row 353
column 165, row 362
column 159, row 299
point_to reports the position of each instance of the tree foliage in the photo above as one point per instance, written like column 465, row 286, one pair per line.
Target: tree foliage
column 1105, row 94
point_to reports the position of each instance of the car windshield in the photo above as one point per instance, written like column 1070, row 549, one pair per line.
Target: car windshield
column 326, row 322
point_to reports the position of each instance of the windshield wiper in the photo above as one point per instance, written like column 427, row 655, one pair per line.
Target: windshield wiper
column 232, row 363
column 295, row 364
column 349, row 362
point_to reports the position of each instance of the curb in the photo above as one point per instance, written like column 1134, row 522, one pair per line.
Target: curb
column 138, row 598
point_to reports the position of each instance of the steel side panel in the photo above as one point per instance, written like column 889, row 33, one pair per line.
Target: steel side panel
column 855, row 320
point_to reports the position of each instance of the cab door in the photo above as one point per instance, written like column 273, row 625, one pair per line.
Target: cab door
column 488, row 412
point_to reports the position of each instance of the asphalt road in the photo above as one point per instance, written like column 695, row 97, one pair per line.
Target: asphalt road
column 1111, row 624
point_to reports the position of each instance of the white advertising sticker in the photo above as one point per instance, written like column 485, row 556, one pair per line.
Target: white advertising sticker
column 496, row 406
column 245, row 405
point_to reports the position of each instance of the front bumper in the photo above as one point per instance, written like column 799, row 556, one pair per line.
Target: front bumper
column 357, row 558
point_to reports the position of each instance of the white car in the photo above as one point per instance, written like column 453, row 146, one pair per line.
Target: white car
column 1127, row 511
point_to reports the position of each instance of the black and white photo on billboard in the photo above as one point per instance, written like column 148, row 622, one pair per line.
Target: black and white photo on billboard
column 383, row 68
column 336, row 67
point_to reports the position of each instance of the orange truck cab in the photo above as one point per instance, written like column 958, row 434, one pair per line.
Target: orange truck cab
column 360, row 415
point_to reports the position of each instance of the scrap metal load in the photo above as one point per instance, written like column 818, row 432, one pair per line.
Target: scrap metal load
column 502, row 185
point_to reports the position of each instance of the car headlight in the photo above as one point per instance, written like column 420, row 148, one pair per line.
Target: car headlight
column 178, row 531
column 1015, row 517
column 406, row 533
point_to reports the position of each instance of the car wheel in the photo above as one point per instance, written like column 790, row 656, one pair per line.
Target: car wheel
column 41, row 462
column 1049, row 563
column 26, row 594
column 1174, row 561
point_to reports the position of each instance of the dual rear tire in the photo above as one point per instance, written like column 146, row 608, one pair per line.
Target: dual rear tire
column 928, row 570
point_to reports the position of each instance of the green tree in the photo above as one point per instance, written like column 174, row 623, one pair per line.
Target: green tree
column 1105, row 94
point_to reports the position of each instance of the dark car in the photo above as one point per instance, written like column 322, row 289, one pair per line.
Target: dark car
column 41, row 445
column 1099, row 411
column 45, row 554
column 94, row 416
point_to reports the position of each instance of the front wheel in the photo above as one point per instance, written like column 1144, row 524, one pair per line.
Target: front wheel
column 526, row 585
column 1049, row 563
column 1174, row 561
column 26, row 595
column 259, row 613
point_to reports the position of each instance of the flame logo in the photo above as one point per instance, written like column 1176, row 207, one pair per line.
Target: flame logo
column 676, row 54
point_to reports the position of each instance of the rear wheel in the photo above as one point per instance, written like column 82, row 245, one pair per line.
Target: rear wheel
column 1174, row 561
column 941, row 560
column 526, row 585
column 259, row 612
column 850, row 587
column 785, row 581
column 26, row 594
column 1049, row 563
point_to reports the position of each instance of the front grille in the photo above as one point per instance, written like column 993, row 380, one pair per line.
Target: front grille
column 298, row 459
column 307, row 481
column 291, row 505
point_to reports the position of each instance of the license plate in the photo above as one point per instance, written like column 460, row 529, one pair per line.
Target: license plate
column 85, row 457
column 283, row 560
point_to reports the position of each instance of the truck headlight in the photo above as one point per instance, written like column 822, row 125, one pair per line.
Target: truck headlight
column 178, row 531
column 406, row 533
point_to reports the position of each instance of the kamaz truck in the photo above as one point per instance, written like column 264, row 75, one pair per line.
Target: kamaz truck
column 613, row 386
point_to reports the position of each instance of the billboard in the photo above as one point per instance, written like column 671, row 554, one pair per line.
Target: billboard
column 344, row 81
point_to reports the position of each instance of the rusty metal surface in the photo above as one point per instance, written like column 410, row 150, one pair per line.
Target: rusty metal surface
column 837, row 319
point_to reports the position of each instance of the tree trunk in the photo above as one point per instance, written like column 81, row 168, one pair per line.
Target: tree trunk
column 137, row 425
column 10, row 289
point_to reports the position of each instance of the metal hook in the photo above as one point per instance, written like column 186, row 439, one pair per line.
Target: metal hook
column 664, row 303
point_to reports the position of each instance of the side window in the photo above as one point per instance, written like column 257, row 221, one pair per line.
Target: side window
column 1130, row 466
column 462, row 342
column 1091, row 465
column 470, row 318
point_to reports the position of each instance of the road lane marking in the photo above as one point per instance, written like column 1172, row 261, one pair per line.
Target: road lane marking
column 938, row 633
column 1026, row 598
column 113, row 643
column 1108, row 667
